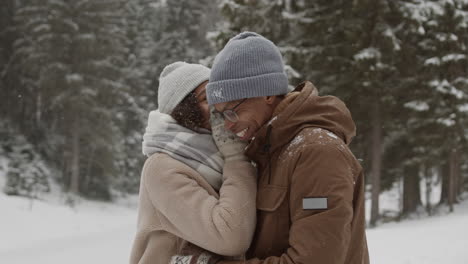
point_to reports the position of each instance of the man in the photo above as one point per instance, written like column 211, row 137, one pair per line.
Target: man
column 310, row 200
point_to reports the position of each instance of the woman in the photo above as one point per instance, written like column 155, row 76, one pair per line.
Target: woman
column 195, row 187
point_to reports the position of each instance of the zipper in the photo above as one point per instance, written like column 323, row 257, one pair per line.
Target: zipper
column 266, row 148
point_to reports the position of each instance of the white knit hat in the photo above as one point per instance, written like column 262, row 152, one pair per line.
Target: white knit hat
column 176, row 81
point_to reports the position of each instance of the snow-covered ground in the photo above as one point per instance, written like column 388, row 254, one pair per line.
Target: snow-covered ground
column 436, row 239
column 49, row 232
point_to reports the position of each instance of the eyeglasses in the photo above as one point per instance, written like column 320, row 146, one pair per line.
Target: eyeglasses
column 230, row 114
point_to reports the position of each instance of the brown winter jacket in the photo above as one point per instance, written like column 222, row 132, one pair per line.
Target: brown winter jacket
column 178, row 205
column 303, row 157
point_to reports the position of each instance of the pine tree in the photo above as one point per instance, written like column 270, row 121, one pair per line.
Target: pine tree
column 71, row 56
column 184, row 25
column 436, row 78
column 27, row 173
column 267, row 18
column 139, row 95
column 159, row 33
column 80, row 78
column 7, row 37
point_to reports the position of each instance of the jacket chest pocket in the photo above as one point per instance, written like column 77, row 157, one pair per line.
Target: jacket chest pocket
column 270, row 197
column 273, row 220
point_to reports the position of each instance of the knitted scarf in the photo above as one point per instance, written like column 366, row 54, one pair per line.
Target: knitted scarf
column 195, row 149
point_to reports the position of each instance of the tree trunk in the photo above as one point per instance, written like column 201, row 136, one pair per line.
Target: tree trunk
column 9, row 92
column 87, row 176
column 75, row 160
column 376, row 161
column 411, row 190
column 428, row 175
column 461, row 182
column 452, row 189
column 444, row 174
column 38, row 109
column 458, row 176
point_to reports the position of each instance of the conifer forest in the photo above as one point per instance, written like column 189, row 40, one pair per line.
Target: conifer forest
column 78, row 79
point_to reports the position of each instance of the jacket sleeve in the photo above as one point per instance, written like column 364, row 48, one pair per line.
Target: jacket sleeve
column 224, row 226
column 318, row 236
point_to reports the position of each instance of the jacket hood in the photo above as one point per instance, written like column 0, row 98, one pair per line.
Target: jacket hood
column 300, row 109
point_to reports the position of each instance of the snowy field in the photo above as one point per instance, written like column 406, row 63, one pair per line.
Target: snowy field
column 96, row 232
column 438, row 239
column 51, row 233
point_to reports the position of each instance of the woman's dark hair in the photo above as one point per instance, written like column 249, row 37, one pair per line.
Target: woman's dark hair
column 188, row 114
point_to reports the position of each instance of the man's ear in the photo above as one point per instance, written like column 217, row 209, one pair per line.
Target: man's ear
column 270, row 99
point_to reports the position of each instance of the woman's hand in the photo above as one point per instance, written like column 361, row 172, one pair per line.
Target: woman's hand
column 191, row 254
column 230, row 146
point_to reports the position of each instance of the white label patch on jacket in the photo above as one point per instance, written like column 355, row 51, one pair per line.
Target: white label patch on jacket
column 315, row 203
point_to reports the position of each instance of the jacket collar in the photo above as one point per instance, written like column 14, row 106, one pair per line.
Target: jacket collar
column 265, row 140
column 300, row 109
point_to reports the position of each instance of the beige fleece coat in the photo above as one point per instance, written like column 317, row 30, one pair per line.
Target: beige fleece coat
column 177, row 205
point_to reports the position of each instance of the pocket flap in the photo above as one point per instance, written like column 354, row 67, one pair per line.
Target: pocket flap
column 270, row 197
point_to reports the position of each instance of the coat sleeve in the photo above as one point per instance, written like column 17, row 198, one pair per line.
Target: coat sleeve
column 224, row 226
column 318, row 236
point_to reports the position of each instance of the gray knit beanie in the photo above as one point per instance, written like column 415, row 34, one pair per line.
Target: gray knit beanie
column 248, row 66
column 176, row 81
